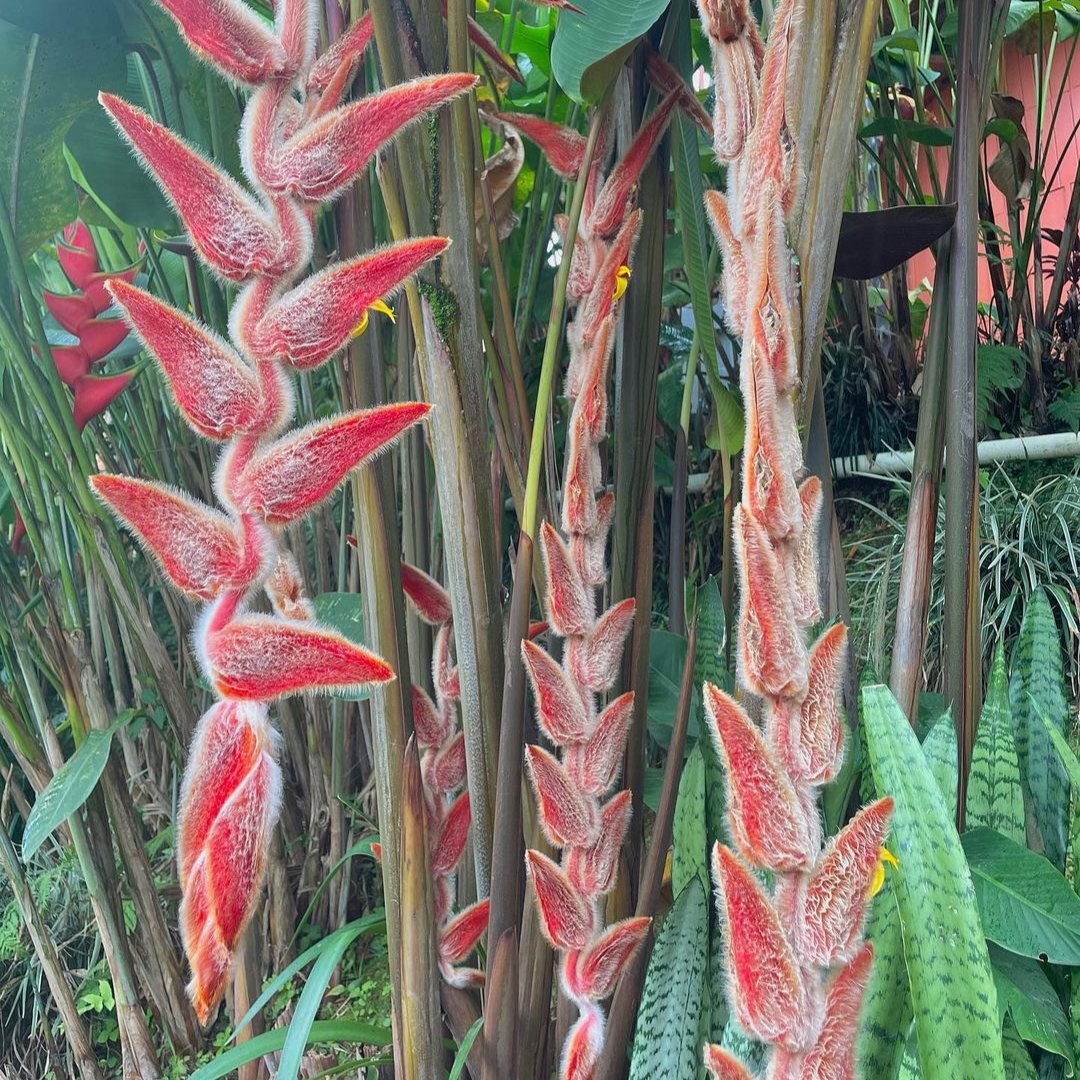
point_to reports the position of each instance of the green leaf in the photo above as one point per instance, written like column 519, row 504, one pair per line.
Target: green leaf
column 1024, row 991
column 464, row 1049
column 1065, row 753
column 1017, row 1059
column 340, row 1031
column 886, row 1013
column 688, row 828
column 344, row 612
column 952, row 989
column 589, row 48
column 999, row 368
column 1026, row 904
column 995, row 797
column 727, row 418
column 667, row 654
column 666, row 1037
column 872, row 242
column 940, row 749
column 70, row 787
column 710, row 666
column 911, row 130
column 1037, row 689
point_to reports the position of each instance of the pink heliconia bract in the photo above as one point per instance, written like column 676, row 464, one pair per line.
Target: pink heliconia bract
column 563, row 147
column 238, row 393
column 787, row 941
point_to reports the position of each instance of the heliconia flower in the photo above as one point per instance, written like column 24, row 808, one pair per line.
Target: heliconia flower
column 877, row 879
column 832, row 1057
column 606, row 290
column 566, row 815
column 98, row 337
column 324, row 156
column 95, row 393
column 231, row 37
column 213, row 386
column 594, row 658
column 284, row 587
column 18, row 532
column 582, row 476
column 611, row 204
column 79, row 264
column 460, row 935
column 591, row 974
column 260, row 658
column 587, row 550
column 199, row 549
column 70, row 361
column 560, row 711
column 768, row 992
column 591, row 870
column 808, row 736
column 427, row 596
column 70, row 310
column 736, row 281
column 228, row 227
column 803, row 565
column 586, row 1038
column 563, row 147
column 737, row 54
column 564, row 917
column 766, row 819
column 594, row 765
column 431, row 725
column 569, row 604
column 448, row 845
column 724, row 1066
column 310, row 323
column 667, row 80
column 289, row 477
column 77, row 234
column 772, row 656
column 445, row 768
column 229, row 802
column 96, row 288
column 349, row 47
column 447, row 680
column 829, row 920
column 483, row 41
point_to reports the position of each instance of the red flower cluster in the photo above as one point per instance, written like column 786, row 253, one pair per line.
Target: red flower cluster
column 796, row 963
column 299, row 147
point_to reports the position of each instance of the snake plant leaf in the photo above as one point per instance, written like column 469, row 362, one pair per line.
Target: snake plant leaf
column 995, row 797
column 688, row 829
column 1025, row 992
column 666, row 1037
column 872, row 242
column 952, row 988
column 1017, row 1059
column 1026, row 904
column 710, row 666
column 941, row 752
column 887, row 1014
column 1037, row 689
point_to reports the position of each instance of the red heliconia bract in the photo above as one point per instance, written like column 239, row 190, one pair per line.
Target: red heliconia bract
column 239, row 393
column 785, row 939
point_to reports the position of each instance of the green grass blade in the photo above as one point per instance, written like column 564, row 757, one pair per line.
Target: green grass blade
column 464, row 1049
column 952, row 988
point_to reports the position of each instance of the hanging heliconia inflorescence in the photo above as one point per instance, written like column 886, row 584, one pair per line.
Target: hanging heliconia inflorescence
column 447, row 815
column 299, row 147
column 797, row 965
column 572, row 786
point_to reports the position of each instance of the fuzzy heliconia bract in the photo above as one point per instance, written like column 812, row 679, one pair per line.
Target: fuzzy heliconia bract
column 796, row 962
column 573, row 786
column 299, row 146
column 442, row 770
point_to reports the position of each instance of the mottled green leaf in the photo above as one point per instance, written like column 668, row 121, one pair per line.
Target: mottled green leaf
column 995, row 797
column 710, row 666
column 1018, row 1063
column 1026, row 904
column 886, row 1015
column 1037, row 689
column 667, row 655
column 666, row 1037
column 688, row 828
column 940, row 749
column 952, row 988
column 1025, row 992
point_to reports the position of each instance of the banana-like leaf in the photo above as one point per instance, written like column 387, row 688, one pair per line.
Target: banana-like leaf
column 872, row 242
column 1037, row 689
column 995, row 797
column 940, row 749
column 666, row 1037
column 952, row 988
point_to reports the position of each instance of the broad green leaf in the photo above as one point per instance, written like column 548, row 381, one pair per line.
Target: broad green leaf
column 344, row 612
column 1037, row 689
column 688, row 828
column 952, row 988
column 354, row 1032
column 995, row 797
column 910, row 130
column 667, row 654
column 666, row 1037
column 940, row 749
column 711, row 666
column 70, row 787
column 589, row 48
column 1024, row 991
column 1026, row 904
column 465, row 1048
column 886, row 1014
column 1018, row 1061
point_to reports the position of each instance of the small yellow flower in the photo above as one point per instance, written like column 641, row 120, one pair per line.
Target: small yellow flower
column 622, row 279
column 877, row 880
column 378, row 305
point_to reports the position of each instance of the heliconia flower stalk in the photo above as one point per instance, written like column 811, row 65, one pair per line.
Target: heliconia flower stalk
column 796, row 963
column 300, row 147
column 443, row 774
column 577, row 812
